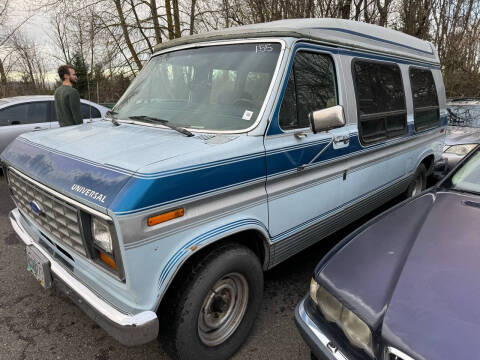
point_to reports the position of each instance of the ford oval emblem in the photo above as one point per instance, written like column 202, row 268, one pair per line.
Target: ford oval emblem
column 36, row 208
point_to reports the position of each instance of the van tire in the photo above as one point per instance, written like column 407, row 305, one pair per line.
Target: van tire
column 185, row 333
column 418, row 183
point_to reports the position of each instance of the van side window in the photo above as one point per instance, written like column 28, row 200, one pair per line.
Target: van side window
column 382, row 113
column 311, row 86
column 425, row 100
column 288, row 110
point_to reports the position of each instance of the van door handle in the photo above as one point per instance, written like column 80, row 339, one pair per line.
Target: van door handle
column 301, row 135
column 344, row 138
column 36, row 128
column 341, row 141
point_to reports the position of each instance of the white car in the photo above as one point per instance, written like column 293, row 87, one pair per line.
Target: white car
column 21, row 114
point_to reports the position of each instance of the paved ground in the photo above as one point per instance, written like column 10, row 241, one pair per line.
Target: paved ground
column 41, row 324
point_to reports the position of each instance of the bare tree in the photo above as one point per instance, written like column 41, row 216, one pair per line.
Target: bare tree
column 415, row 17
column 31, row 61
column 60, row 37
column 156, row 24
column 121, row 38
column 126, row 34
column 3, row 19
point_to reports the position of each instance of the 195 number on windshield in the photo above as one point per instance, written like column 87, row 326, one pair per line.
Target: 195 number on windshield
column 263, row 48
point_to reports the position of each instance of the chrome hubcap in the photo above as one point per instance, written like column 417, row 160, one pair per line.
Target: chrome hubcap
column 223, row 309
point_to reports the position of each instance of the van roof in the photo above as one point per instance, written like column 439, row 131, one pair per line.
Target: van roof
column 337, row 32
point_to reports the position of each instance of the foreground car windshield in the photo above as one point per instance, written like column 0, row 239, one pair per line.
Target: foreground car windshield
column 209, row 88
column 467, row 177
column 464, row 115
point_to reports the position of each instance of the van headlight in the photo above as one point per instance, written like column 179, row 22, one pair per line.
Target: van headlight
column 101, row 235
column 357, row 332
column 460, row 150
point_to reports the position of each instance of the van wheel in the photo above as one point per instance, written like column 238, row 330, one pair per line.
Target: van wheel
column 419, row 182
column 211, row 312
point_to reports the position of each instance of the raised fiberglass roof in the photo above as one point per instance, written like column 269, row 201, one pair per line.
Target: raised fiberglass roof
column 338, row 32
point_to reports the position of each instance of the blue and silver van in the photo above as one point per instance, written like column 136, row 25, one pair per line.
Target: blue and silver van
column 230, row 152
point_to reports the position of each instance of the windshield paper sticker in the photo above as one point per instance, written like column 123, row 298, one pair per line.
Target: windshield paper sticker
column 247, row 115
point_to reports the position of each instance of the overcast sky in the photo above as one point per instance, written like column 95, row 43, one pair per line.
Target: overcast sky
column 37, row 27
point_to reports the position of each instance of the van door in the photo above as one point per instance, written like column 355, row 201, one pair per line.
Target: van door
column 382, row 123
column 300, row 193
column 20, row 118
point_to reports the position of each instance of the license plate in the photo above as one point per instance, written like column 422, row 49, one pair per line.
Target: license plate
column 39, row 266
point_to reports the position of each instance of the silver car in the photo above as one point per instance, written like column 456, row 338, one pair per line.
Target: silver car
column 21, row 114
column 463, row 133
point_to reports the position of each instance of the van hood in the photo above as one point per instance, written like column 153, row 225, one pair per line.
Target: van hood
column 121, row 167
column 122, row 147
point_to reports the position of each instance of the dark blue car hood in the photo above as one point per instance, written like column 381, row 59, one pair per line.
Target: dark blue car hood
column 414, row 275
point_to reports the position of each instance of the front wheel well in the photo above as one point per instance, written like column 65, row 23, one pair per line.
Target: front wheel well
column 252, row 239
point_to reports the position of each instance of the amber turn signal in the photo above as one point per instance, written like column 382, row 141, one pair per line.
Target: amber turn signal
column 157, row 219
column 108, row 260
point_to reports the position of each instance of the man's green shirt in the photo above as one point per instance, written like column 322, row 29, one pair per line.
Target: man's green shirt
column 67, row 106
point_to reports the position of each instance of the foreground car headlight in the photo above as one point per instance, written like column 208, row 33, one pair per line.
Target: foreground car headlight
column 460, row 150
column 357, row 332
column 101, row 235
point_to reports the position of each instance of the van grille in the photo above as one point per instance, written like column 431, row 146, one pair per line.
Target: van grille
column 57, row 219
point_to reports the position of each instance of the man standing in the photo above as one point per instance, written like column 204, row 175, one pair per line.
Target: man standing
column 67, row 99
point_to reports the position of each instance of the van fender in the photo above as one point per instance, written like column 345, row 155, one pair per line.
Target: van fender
column 183, row 253
column 423, row 155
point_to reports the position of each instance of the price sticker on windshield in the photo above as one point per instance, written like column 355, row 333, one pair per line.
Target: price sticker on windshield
column 262, row 48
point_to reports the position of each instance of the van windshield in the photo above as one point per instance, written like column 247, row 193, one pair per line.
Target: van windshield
column 214, row 88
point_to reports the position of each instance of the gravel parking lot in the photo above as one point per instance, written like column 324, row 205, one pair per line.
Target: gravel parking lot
column 42, row 324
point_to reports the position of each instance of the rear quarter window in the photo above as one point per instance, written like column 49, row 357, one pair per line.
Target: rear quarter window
column 425, row 100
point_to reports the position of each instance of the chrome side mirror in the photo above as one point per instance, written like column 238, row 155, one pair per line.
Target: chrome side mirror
column 326, row 119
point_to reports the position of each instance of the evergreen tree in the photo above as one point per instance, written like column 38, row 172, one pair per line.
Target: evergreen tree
column 81, row 69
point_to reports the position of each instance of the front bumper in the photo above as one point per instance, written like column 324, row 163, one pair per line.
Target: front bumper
column 318, row 341
column 128, row 329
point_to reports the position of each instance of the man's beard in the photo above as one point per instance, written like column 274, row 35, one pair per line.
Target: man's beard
column 73, row 81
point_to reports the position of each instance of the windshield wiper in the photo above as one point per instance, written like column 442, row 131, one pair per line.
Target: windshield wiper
column 112, row 117
column 152, row 119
